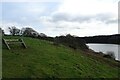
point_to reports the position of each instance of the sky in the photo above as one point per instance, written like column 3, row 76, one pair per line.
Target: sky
column 60, row 17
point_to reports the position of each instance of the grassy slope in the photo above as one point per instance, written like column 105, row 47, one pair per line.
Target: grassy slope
column 43, row 59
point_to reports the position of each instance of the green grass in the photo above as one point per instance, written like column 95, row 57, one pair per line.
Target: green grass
column 42, row 59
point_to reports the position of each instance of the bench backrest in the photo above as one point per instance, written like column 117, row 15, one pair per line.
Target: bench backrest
column 13, row 41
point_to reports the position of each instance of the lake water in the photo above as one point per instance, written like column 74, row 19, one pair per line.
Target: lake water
column 105, row 48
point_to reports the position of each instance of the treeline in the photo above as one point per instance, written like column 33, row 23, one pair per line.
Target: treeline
column 67, row 40
column 27, row 31
column 107, row 39
column 71, row 41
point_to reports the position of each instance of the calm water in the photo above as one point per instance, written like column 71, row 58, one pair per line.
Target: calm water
column 105, row 48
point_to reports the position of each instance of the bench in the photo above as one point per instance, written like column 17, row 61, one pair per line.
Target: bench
column 14, row 41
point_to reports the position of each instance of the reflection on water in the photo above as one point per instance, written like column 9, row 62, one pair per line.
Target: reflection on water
column 106, row 48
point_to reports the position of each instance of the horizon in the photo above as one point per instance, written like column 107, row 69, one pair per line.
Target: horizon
column 55, row 18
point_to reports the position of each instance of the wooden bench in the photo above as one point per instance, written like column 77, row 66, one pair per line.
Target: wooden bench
column 14, row 41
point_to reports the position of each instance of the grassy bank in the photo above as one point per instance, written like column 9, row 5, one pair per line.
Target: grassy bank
column 42, row 59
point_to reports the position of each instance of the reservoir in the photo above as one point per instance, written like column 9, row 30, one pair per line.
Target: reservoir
column 106, row 48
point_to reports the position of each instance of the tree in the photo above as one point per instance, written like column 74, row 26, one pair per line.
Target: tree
column 42, row 35
column 14, row 31
column 29, row 32
column 71, row 41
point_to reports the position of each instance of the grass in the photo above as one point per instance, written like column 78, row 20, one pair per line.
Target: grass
column 42, row 59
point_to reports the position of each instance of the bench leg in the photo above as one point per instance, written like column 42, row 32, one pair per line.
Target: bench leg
column 6, row 44
column 23, row 43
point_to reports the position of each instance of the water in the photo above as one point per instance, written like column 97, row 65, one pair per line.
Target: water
column 105, row 48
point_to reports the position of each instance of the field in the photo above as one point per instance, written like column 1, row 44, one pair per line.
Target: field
column 42, row 59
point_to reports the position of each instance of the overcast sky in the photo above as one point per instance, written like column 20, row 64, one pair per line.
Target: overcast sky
column 59, row 17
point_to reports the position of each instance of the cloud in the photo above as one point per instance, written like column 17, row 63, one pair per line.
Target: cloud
column 17, row 10
column 69, row 18
column 103, row 18
column 88, row 7
column 77, row 28
column 112, row 21
column 78, row 17
column 30, row 0
column 106, row 18
column 87, row 11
